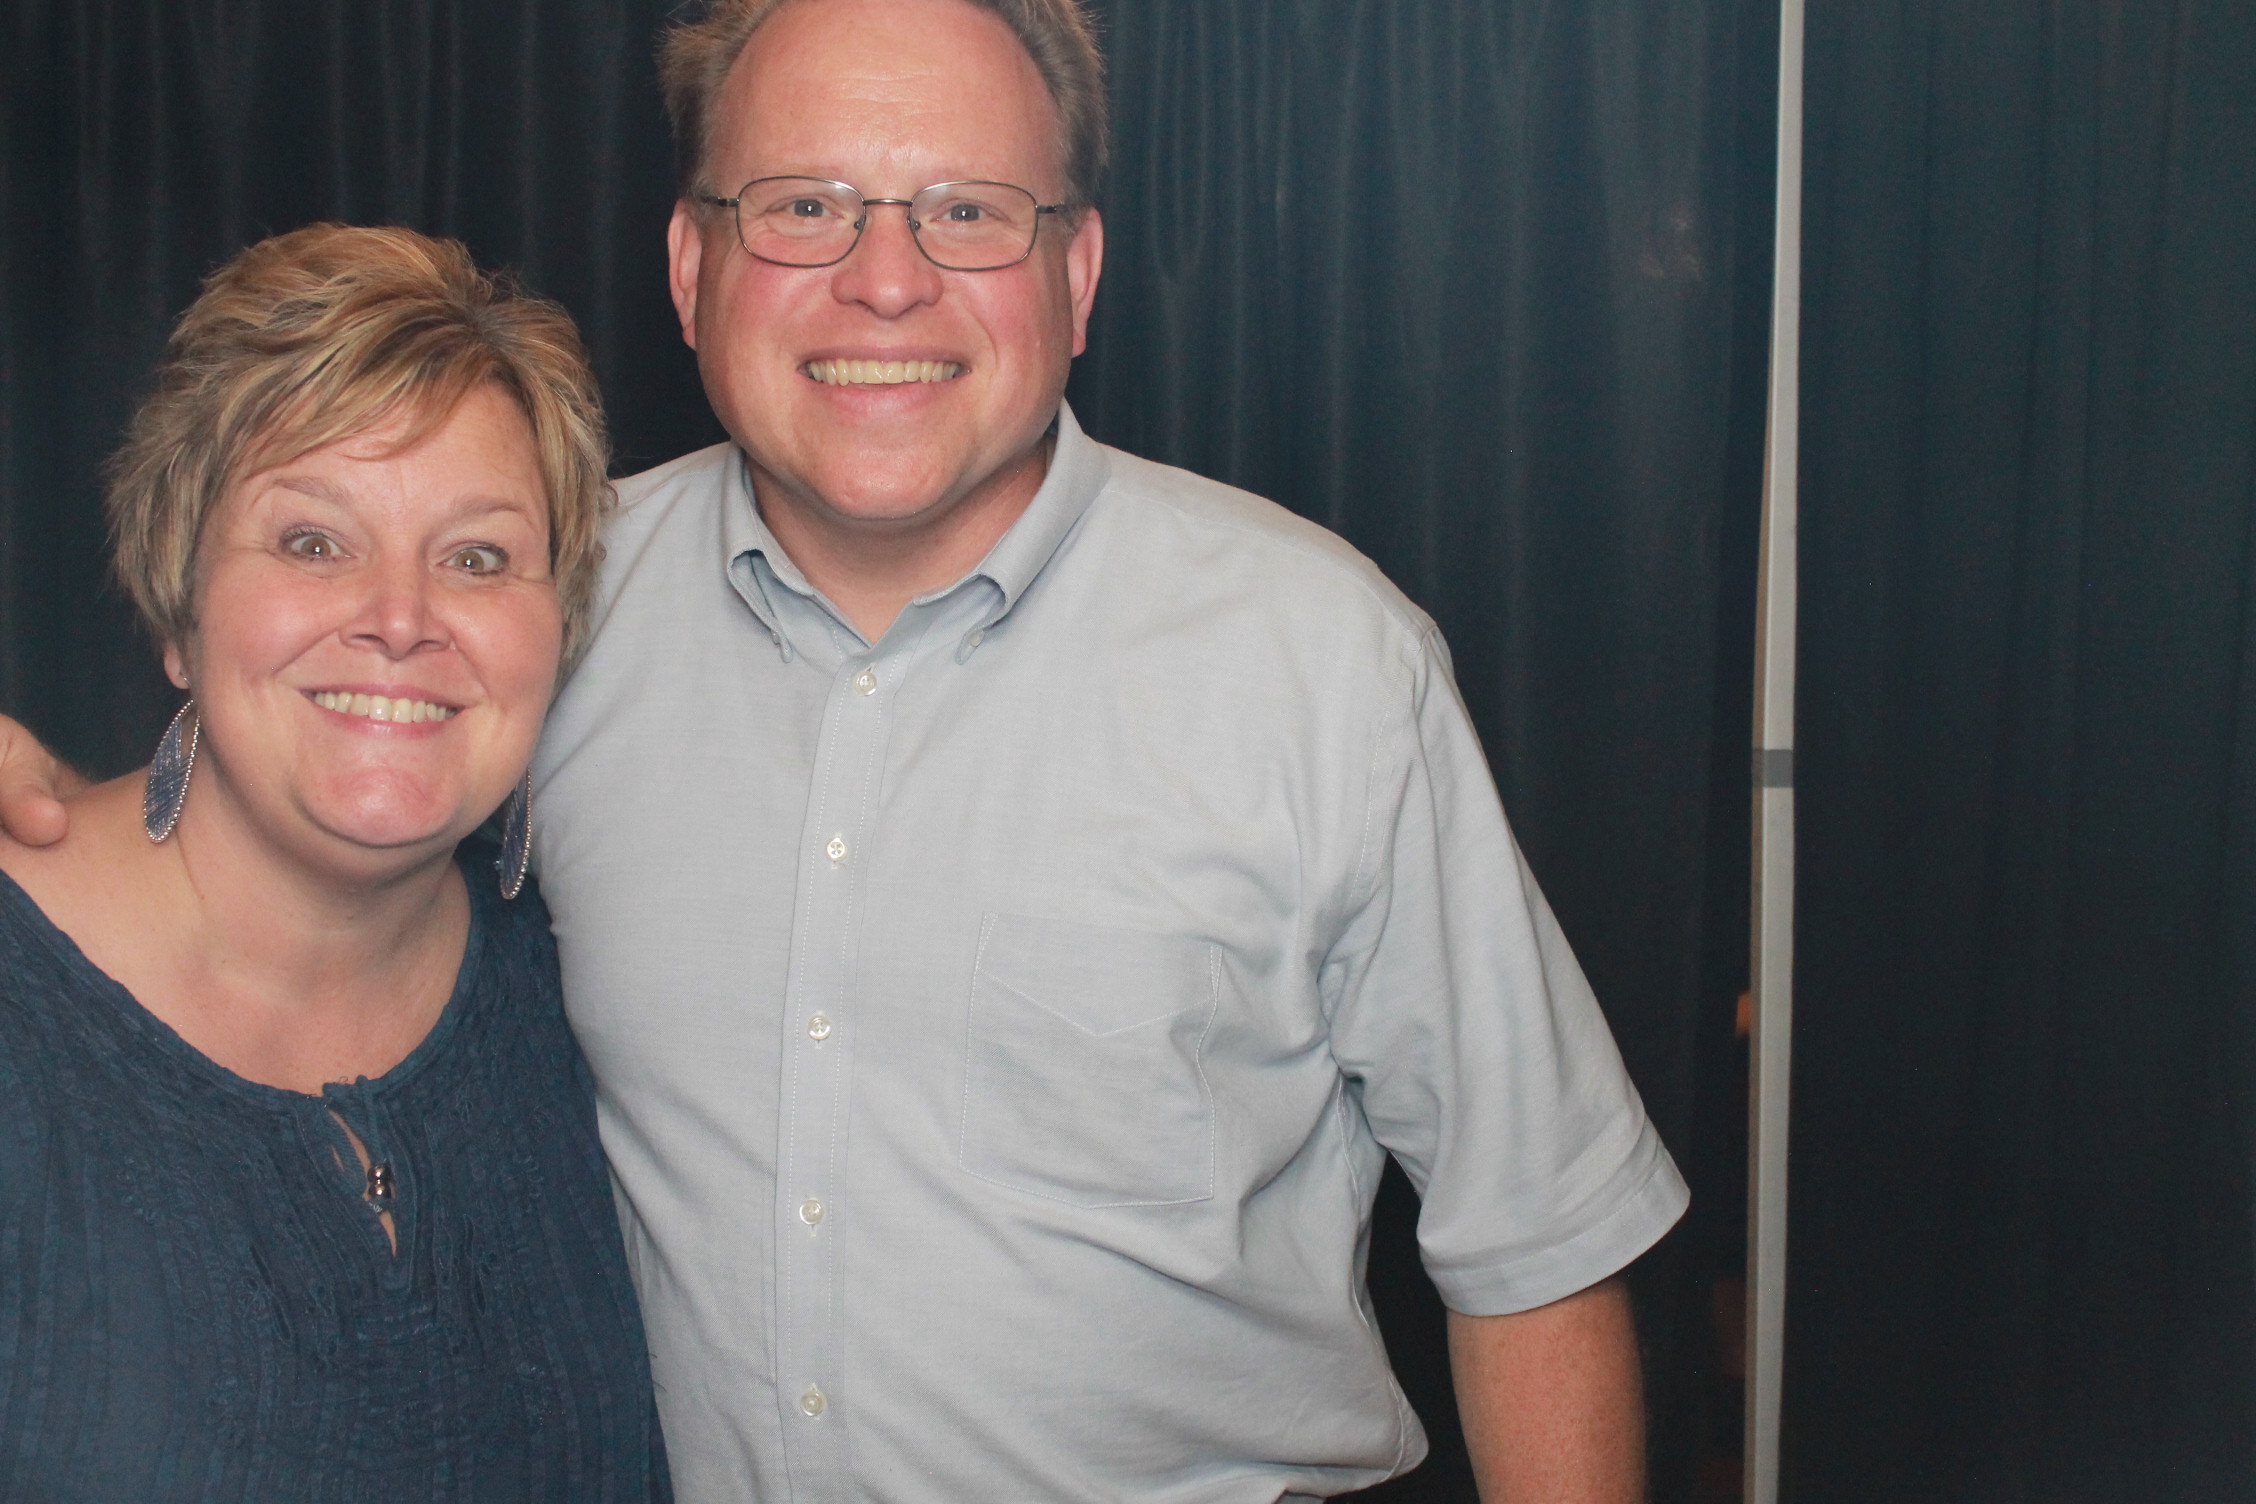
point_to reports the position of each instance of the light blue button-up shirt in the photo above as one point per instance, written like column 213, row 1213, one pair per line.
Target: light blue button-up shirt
column 1000, row 1026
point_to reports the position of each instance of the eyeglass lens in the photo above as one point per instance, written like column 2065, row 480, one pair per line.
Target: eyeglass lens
column 813, row 222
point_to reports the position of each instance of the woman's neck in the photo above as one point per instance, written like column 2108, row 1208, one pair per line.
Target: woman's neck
column 279, row 969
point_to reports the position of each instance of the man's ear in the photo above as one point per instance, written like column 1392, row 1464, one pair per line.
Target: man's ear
column 685, row 253
column 1084, row 261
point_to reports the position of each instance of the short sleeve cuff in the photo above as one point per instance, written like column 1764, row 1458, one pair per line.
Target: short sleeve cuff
column 1651, row 1199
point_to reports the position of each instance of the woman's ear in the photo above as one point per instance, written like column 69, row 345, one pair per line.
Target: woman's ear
column 175, row 666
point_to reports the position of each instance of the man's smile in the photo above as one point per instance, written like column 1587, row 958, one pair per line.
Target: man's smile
column 880, row 372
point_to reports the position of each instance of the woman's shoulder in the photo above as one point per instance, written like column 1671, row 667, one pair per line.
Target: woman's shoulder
column 45, row 978
column 514, row 932
column 71, row 1047
column 90, row 877
column 511, row 980
column 509, row 1041
column 45, row 992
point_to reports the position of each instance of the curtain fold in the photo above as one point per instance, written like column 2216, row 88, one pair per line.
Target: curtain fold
column 2020, row 1208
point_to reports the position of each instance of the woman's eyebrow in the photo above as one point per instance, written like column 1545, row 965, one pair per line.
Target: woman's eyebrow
column 313, row 486
column 478, row 504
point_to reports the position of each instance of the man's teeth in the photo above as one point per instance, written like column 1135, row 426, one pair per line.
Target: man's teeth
column 881, row 372
column 378, row 708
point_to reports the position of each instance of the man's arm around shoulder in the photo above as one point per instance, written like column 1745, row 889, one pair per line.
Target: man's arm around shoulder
column 1552, row 1402
column 33, row 784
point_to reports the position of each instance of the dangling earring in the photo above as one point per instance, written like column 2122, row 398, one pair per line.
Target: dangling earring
column 167, row 789
column 516, row 838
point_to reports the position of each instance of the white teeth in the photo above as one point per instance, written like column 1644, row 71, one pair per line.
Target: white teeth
column 382, row 708
column 881, row 372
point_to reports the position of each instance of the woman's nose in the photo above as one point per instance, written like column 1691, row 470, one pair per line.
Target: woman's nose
column 397, row 615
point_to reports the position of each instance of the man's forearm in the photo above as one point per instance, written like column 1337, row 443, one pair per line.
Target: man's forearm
column 1551, row 1400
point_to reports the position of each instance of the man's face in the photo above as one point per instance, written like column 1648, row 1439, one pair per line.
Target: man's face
column 888, row 96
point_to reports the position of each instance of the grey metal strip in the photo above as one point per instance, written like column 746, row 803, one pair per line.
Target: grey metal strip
column 1773, row 938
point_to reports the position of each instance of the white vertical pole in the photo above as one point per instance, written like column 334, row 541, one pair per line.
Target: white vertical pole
column 1774, row 798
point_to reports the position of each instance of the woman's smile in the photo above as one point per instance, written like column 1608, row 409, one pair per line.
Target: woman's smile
column 394, row 707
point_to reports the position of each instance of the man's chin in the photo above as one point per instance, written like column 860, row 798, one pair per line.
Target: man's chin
column 875, row 492
column 858, row 469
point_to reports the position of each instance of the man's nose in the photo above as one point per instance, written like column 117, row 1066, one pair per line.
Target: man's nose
column 887, row 272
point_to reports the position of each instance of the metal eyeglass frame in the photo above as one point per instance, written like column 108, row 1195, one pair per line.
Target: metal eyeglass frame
column 735, row 206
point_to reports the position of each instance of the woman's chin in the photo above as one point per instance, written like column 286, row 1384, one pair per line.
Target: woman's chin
column 402, row 827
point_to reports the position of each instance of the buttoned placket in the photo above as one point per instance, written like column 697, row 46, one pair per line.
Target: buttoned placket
column 818, row 1024
column 820, row 1015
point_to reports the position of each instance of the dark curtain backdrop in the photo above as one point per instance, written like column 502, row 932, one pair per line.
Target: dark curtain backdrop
column 1479, row 283
column 2021, row 1233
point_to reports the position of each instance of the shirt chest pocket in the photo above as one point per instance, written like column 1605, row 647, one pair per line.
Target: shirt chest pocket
column 1082, row 1073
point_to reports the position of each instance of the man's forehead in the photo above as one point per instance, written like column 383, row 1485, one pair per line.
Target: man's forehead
column 874, row 85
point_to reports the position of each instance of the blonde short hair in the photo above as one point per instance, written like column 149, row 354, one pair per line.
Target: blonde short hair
column 695, row 56
column 334, row 330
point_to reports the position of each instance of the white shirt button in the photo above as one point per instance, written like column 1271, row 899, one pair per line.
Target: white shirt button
column 811, row 1403
column 818, row 1028
column 810, row 1211
column 866, row 681
column 977, row 636
column 835, row 848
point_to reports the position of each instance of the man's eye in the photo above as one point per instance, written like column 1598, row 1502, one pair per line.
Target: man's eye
column 482, row 558
column 311, row 546
column 806, row 208
column 965, row 213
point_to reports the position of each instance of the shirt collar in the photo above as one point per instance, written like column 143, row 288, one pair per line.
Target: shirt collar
column 1078, row 469
column 745, row 537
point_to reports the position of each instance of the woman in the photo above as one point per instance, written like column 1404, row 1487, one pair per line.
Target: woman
column 300, row 1192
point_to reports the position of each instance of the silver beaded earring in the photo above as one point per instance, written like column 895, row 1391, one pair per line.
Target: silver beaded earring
column 167, row 790
column 516, row 838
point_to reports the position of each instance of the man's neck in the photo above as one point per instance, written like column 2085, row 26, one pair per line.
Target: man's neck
column 871, row 570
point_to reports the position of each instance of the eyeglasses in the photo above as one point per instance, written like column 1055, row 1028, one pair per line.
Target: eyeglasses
column 960, row 227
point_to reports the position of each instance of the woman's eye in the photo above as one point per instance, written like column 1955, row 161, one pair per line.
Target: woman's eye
column 482, row 558
column 310, row 546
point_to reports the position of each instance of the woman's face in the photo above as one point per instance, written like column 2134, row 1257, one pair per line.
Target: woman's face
column 376, row 641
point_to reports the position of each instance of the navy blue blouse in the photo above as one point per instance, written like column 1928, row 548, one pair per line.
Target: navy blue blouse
column 198, row 1302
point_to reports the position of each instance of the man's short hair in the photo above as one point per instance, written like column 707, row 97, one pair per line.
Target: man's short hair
column 695, row 56
column 330, row 331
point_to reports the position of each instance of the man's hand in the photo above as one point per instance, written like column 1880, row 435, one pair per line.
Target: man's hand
column 33, row 785
column 1551, row 1400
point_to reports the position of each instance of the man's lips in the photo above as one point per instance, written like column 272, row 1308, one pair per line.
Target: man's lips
column 841, row 372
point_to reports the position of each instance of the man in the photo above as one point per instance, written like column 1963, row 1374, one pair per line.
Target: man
column 1013, row 895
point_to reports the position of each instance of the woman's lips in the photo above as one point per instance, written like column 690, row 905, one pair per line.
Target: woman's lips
column 399, row 710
